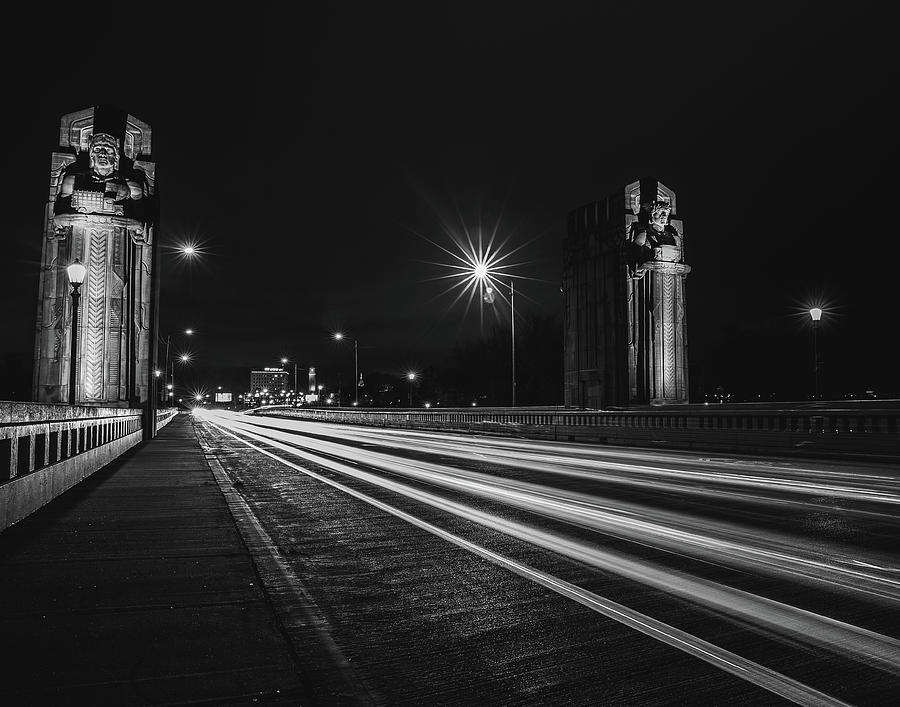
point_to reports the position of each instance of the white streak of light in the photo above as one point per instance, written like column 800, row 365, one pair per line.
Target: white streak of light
column 730, row 662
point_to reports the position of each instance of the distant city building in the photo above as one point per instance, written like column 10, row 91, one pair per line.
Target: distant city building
column 273, row 380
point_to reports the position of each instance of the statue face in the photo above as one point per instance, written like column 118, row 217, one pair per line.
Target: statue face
column 104, row 157
column 659, row 216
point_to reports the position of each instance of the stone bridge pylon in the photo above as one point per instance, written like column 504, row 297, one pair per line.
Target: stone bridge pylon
column 102, row 210
column 625, row 323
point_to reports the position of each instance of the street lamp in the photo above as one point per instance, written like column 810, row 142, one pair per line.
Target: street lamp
column 284, row 362
column 187, row 332
column 482, row 272
column 185, row 359
column 816, row 314
column 411, row 377
column 76, row 273
column 339, row 337
column 479, row 267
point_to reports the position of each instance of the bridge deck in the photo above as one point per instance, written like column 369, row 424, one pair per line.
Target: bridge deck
column 135, row 587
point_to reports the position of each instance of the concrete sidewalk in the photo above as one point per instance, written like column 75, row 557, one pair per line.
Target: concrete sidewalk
column 136, row 588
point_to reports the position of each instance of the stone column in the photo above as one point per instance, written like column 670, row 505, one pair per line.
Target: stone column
column 662, row 363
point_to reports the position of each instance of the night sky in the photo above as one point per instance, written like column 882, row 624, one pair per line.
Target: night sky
column 310, row 154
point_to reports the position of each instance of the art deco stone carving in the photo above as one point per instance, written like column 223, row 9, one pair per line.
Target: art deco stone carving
column 626, row 335
column 102, row 210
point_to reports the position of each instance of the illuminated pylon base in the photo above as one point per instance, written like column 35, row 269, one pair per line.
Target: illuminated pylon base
column 657, row 348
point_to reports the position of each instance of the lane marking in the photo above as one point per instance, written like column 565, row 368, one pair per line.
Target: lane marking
column 743, row 668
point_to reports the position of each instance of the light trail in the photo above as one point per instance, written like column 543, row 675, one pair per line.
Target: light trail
column 563, row 458
column 713, row 541
column 807, row 627
column 743, row 668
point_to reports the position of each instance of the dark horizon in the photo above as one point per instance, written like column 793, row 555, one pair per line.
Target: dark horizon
column 317, row 159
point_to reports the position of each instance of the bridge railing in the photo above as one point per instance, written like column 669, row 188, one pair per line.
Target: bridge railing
column 46, row 449
column 819, row 430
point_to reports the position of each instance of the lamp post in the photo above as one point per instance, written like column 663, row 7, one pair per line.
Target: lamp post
column 484, row 274
column 76, row 273
column 411, row 377
column 339, row 337
column 284, row 362
column 816, row 314
column 184, row 357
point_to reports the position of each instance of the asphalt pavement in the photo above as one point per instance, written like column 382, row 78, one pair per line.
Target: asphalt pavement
column 460, row 569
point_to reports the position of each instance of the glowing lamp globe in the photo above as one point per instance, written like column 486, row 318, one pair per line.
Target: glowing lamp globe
column 76, row 272
column 815, row 313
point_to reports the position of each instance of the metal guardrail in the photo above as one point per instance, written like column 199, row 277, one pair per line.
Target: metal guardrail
column 815, row 429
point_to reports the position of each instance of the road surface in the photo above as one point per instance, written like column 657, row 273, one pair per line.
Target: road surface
column 448, row 568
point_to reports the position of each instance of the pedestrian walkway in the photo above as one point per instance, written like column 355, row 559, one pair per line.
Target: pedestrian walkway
column 136, row 588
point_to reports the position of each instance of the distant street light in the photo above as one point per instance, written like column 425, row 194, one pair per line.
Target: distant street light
column 411, row 377
column 168, row 340
column 184, row 358
column 816, row 314
column 340, row 337
column 76, row 273
column 284, row 362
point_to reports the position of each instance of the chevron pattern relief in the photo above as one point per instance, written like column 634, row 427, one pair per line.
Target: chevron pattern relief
column 668, row 295
column 95, row 317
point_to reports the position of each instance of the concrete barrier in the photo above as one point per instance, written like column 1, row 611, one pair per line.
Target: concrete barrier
column 46, row 449
column 870, row 431
column 164, row 417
